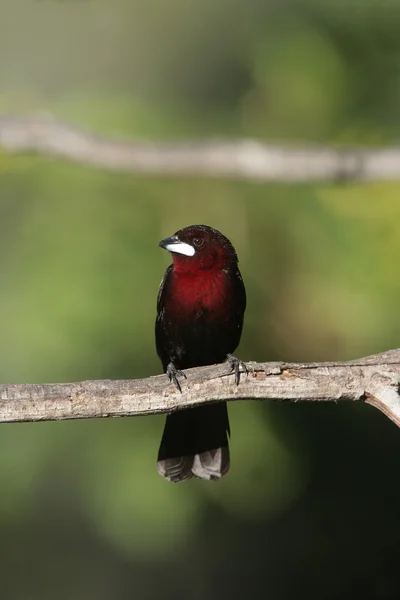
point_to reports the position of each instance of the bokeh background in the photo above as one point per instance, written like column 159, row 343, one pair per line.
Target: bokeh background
column 311, row 507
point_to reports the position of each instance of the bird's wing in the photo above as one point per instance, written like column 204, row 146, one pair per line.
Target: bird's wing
column 164, row 286
column 241, row 292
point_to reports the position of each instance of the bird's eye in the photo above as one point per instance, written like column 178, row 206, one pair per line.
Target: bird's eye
column 198, row 241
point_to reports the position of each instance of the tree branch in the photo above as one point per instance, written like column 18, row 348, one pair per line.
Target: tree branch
column 249, row 160
column 374, row 380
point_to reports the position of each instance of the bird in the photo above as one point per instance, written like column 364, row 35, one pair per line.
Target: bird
column 200, row 311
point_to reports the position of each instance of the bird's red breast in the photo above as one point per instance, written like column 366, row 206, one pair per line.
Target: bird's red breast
column 192, row 294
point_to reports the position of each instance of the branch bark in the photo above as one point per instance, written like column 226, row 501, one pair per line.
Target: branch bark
column 248, row 159
column 374, row 380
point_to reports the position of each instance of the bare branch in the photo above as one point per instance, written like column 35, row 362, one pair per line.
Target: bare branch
column 374, row 380
column 249, row 160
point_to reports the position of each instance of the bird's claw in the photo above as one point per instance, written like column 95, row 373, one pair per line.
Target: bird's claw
column 173, row 373
column 237, row 366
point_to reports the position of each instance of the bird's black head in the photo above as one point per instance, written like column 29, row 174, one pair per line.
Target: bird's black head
column 200, row 247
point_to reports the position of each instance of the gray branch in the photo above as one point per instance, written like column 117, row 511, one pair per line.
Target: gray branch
column 374, row 380
column 249, row 160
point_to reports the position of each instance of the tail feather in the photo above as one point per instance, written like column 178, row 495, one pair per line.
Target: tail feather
column 176, row 469
column 195, row 443
column 211, row 465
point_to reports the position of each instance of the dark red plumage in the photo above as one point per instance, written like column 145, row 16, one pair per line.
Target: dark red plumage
column 200, row 308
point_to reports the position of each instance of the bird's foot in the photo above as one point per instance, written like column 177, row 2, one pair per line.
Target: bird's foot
column 237, row 366
column 173, row 373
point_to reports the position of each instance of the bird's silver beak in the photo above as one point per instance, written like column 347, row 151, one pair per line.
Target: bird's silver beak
column 174, row 244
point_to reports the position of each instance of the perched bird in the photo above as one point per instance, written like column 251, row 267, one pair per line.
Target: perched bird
column 200, row 309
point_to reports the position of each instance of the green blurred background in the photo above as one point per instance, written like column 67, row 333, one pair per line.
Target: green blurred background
column 311, row 506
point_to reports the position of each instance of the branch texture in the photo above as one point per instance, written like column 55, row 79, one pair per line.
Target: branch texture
column 249, row 160
column 374, row 380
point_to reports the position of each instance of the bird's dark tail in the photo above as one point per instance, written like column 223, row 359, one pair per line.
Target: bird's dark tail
column 195, row 443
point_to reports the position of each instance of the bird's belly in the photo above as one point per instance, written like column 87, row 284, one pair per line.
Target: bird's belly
column 201, row 339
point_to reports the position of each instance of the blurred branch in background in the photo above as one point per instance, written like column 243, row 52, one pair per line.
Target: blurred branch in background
column 241, row 159
column 374, row 380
